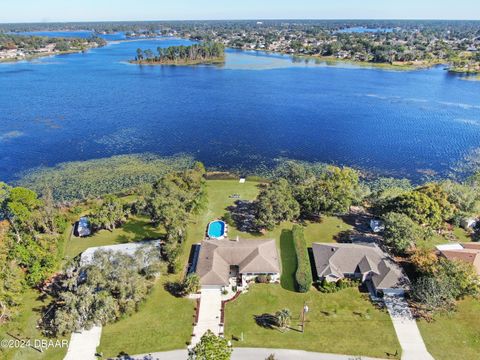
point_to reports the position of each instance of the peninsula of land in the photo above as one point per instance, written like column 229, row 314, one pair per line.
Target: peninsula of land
column 19, row 47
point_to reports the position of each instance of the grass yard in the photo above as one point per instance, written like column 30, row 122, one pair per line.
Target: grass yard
column 326, row 230
column 25, row 327
column 456, row 335
column 345, row 322
column 163, row 323
column 136, row 229
column 462, row 235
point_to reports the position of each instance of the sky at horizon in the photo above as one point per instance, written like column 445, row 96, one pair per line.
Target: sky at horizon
column 137, row 10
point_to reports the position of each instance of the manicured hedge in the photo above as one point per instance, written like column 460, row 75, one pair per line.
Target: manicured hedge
column 303, row 275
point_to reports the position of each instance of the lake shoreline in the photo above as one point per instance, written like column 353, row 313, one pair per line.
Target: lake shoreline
column 45, row 55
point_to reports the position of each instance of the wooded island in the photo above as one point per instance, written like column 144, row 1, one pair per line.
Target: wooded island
column 205, row 53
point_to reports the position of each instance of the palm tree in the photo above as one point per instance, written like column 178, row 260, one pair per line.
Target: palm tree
column 283, row 318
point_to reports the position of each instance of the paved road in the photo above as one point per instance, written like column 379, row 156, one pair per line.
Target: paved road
column 411, row 341
column 254, row 354
column 209, row 314
column 83, row 345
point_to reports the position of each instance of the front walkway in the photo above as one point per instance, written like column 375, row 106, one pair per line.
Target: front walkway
column 411, row 341
column 209, row 315
column 83, row 345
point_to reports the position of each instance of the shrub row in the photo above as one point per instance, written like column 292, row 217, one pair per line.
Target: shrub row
column 303, row 275
column 333, row 287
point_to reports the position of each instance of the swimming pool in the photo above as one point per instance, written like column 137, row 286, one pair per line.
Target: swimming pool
column 216, row 229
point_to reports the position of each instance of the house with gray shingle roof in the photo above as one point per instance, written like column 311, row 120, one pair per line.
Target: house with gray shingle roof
column 220, row 261
column 366, row 262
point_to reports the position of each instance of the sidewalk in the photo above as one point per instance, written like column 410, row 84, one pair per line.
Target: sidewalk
column 255, row 354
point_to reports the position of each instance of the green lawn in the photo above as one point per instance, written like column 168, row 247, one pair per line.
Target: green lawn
column 454, row 336
column 326, row 230
column 462, row 235
column 162, row 323
column 136, row 229
column 25, row 327
column 345, row 322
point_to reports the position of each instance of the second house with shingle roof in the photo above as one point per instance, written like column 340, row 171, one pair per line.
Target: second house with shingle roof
column 366, row 262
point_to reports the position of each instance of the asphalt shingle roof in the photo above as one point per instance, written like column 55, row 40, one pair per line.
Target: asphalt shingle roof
column 339, row 259
column 251, row 256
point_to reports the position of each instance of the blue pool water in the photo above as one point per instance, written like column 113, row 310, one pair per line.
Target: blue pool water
column 257, row 108
column 216, row 229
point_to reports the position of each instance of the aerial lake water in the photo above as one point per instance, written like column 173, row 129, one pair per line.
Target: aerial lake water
column 257, row 108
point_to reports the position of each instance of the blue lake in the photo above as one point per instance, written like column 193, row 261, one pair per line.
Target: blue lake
column 256, row 108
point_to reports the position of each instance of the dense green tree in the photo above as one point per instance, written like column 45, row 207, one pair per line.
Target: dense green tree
column 275, row 204
column 433, row 293
column 418, row 206
column 4, row 195
column 384, row 189
column 110, row 214
column 294, row 172
column 211, row 347
column 20, row 207
column 207, row 51
column 172, row 200
column 443, row 282
column 464, row 197
column 37, row 256
column 110, row 287
column 332, row 192
column 435, row 192
column 11, row 276
column 401, row 232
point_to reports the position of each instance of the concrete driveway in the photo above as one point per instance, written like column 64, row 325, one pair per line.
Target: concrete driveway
column 209, row 315
column 83, row 345
column 411, row 341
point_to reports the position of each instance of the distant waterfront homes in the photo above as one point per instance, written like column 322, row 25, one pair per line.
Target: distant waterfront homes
column 366, row 262
column 223, row 262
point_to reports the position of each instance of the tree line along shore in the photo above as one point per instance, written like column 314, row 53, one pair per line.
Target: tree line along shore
column 204, row 53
